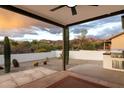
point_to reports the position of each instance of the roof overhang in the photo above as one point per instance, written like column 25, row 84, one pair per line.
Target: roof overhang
column 63, row 16
column 122, row 33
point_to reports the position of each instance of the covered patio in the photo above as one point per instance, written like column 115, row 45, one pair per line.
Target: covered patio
column 64, row 17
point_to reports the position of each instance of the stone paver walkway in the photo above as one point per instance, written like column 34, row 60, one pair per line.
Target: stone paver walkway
column 23, row 77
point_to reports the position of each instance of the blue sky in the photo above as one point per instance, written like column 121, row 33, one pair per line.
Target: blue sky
column 103, row 28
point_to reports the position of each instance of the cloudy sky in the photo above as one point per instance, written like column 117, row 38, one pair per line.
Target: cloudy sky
column 19, row 27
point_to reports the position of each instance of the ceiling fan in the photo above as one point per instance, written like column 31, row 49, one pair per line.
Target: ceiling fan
column 73, row 8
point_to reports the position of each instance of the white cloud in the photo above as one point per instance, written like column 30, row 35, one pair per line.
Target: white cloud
column 40, row 35
column 96, row 28
column 100, row 28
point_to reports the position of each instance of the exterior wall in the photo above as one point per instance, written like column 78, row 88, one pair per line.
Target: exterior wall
column 83, row 55
column 30, row 56
column 87, row 55
column 118, row 42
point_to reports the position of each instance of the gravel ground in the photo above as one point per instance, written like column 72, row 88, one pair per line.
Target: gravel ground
column 53, row 63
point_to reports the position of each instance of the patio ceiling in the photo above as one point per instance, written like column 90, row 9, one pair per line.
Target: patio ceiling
column 63, row 16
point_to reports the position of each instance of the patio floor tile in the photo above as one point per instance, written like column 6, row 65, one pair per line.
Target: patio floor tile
column 5, row 78
column 24, row 77
column 8, row 84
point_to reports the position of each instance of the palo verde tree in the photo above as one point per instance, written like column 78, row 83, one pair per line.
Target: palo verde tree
column 7, row 55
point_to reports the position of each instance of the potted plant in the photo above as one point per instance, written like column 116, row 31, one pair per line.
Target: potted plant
column 15, row 63
column 45, row 62
column 35, row 64
column 1, row 68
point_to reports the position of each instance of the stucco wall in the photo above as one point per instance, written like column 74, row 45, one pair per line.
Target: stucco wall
column 30, row 56
column 83, row 54
column 118, row 42
column 87, row 55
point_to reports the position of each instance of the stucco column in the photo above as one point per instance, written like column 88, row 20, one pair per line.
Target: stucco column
column 122, row 20
column 65, row 47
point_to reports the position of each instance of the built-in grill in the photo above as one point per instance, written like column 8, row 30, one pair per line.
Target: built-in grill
column 117, row 59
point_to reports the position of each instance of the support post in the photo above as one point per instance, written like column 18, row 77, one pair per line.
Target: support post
column 122, row 20
column 65, row 47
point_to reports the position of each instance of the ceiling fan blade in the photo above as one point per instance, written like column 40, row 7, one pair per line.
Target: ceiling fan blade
column 56, row 8
column 73, row 10
column 122, row 20
column 93, row 5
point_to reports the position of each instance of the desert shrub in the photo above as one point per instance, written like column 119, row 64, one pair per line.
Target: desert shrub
column 35, row 64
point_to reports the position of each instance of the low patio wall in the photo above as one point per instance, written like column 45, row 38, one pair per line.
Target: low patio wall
column 30, row 56
column 87, row 55
column 82, row 54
